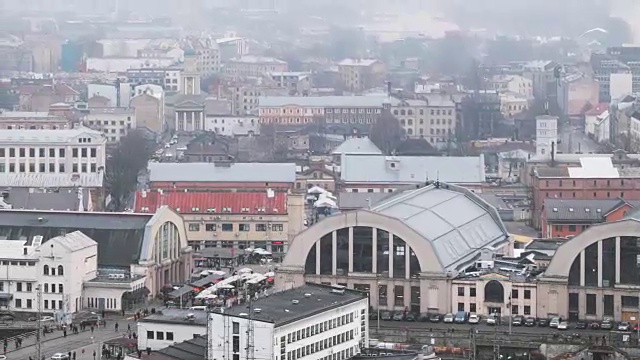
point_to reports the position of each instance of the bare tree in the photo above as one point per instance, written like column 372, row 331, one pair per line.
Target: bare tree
column 386, row 133
column 124, row 163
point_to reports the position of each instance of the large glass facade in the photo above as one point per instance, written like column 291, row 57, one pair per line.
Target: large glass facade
column 629, row 251
column 363, row 254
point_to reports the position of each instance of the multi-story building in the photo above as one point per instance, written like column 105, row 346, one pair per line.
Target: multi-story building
column 245, row 97
column 232, row 125
column 148, row 109
column 341, row 114
column 441, row 118
column 412, row 115
column 168, row 78
column 360, row 74
column 295, row 82
column 228, row 205
column 40, row 98
column 208, row 55
column 32, row 120
column 320, row 322
column 575, row 93
column 541, row 73
column 512, row 104
column 253, row 66
column 480, row 114
column 546, row 135
column 74, row 151
column 512, row 84
column 114, row 122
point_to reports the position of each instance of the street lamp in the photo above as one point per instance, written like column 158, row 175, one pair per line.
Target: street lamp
column 378, row 283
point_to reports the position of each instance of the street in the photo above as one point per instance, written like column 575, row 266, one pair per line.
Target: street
column 572, row 140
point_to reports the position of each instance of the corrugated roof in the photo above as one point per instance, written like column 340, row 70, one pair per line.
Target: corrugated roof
column 456, row 221
column 357, row 62
column 323, row 101
column 581, row 209
column 63, row 200
column 351, row 200
column 46, row 135
column 210, row 172
column 257, row 203
column 357, row 146
column 48, row 180
column 412, row 169
column 74, row 241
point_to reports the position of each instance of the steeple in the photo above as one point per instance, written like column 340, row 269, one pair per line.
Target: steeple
column 190, row 78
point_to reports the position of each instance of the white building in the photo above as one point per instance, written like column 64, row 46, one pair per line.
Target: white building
column 313, row 322
column 114, row 122
column 512, row 83
column 71, row 151
column 122, row 64
column 170, row 326
column 546, row 135
column 232, row 125
column 60, row 266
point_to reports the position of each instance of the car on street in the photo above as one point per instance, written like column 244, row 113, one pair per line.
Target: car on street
column 435, row 318
column 606, row 324
column 3, row 357
column 60, row 356
column 410, row 317
column 385, row 315
column 424, row 317
column 493, row 319
column 543, row 322
column 373, row 315
column 563, row 325
column 517, row 320
column 555, row 321
column 594, row 325
column 530, row 321
column 624, row 326
column 581, row 324
column 448, row 318
column 398, row 316
column 474, row 319
column 461, row 317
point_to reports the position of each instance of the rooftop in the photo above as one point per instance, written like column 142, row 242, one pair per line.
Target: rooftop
column 357, row 62
column 258, row 59
column 582, row 209
column 51, row 180
column 279, row 308
column 248, row 203
column 357, row 146
column 111, row 110
column 62, row 199
column 46, row 135
column 359, row 200
column 177, row 316
column 210, row 172
column 412, row 169
column 454, row 220
column 27, row 115
column 323, row 101
column 591, row 167
column 119, row 235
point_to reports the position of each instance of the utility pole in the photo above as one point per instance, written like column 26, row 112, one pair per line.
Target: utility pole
column 39, row 322
column 496, row 345
column 250, row 330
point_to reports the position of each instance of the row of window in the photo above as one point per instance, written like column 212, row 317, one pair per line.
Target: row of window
column 29, row 304
column 102, row 303
column 325, row 344
column 241, row 227
column 595, row 182
column 50, row 168
column 595, row 195
column 571, row 228
column 107, row 122
column 515, row 293
column 515, row 309
column 433, row 112
column 160, row 335
column 319, row 328
column 46, row 270
column 42, row 152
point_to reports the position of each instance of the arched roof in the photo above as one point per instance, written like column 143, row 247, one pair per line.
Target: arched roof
column 444, row 224
column 562, row 260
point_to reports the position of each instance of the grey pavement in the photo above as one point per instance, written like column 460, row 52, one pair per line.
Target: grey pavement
column 56, row 343
column 573, row 140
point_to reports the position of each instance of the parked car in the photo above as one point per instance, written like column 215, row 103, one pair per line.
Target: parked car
column 554, row 322
column 435, row 318
column 606, row 324
column 373, row 315
column 461, row 317
column 424, row 317
column 398, row 316
column 530, row 321
column 448, row 318
column 517, row 320
column 474, row 319
column 636, row 326
column 563, row 325
column 542, row 322
column 594, row 325
column 3, row 357
column 60, row 356
column 493, row 319
column 385, row 315
column 624, row 326
column 581, row 324
column 410, row 317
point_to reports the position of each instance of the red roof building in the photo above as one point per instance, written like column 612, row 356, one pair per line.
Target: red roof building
column 209, row 202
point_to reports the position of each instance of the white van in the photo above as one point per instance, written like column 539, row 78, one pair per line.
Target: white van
column 198, row 308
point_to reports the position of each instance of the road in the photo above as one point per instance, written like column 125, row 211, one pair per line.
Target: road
column 573, row 140
column 56, row 343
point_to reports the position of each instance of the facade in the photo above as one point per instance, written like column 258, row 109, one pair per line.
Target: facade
column 114, row 122
column 546, row 135
column 245, row 97
column 576, row 93
column 160, row 330
column 596, row 123
column 229, row 205
column 72, row 151
column 541, row 73
column 39, row 98
column 167, row 78
column 360, row 74
column 433, row 117
column 512, row 104
column 253, row 66
column 32, row 120
column 516, row 84
column 60, row 266
column 232, row 125
column 405, row 250
column 380, row 173
column 568, row 217
column 208, row 55
column 308, row 322
column 148, row 109
column 156, row 245
column 295, row 82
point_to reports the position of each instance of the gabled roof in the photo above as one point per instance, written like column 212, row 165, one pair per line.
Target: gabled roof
column 357, row 146
column 74, row 241
column 585, row 210
column 256, row 203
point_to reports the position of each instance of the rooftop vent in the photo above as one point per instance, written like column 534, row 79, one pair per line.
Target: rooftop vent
column 337, row 291
column 295, row 302
column 587, row 210
column 599, row 210
column 555, row 209
column 307, row 295
column 243, row 314
column 570, row 209
column 257, row 310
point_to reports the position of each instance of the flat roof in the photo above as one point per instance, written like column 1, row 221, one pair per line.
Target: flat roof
column 46, row 135
column 279, row 308
column 323, row 101
column 177, row 316
column 210, row 172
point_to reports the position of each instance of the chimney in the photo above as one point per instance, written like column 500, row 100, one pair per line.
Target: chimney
column 553, row 153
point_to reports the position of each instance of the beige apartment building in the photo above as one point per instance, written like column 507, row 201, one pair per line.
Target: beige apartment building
column 253, row 66
column 360, row 74
column 432, row 117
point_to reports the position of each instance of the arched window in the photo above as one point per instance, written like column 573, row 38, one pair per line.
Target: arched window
column 494, row 292
column 60, row 270
column 45, row 270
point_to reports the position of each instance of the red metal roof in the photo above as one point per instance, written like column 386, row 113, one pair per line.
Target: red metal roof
column 213, row 202
column 598, row 109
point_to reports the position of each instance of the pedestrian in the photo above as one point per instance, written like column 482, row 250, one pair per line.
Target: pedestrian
column 69, row 355
column 128, row 327
column 94, row 355
column 74, row 355
column 92, row 329
column 116, row 326
column 64, row 332
column 122, row 311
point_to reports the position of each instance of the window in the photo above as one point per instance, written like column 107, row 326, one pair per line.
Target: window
column 159, row 335
column 41, row 152
column 29, row 303
column 60, row 288
column 277, row 227
column 227, row 227
column 210, row 227
column 149, row 334
column 46, row 288
column 572, row 228
column 527, row 294
column 45, row 270
column 60, row 271
column 61, row 152
column 19, row 286
column 83, row 152
column 18, row 303
column 93, row 152
column 22, row 152
column 46, row 305
column 236, row 328
column 472, row 292
column 194, row 227
column 261, row 227
column 169, row 335
column 527, row 310
column 514, row 293
column 460, row 306
column 472, row 307
column 244, row 227
column 29, row 287
column 514, row 309
column 460, row 291
column 74, row 152
column 12, row 152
